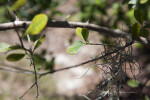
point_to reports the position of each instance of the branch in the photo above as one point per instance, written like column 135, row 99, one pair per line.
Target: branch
column 16, row 69
column 66, row 24
column 69, row 24
column 92, row 60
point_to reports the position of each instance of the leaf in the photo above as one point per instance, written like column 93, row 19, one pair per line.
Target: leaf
column 18, row 4
column 38, row 24
column 83, row 33
column 135, row 30
column 68, row 16
column 144, row 32
column 38, row 61
column 15, row 47
column 4, row 47
column 139, row 46
column 145, row 97
column 138, row 15
column 75, row 47
column 39, row 42
column 133, row 83
column 143, row 1
column 15, row 57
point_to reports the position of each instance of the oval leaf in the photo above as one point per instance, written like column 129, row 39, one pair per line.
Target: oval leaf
column 144, row 32
column 18, row 4
column 15, row 57
column 135, row 30
column 83, row 33
column 15, row 47
column 39, row 42
column 38, row 24
column 138, row 15
column 133, row 83
column 4, row 47
column 143, row 1
column 79, row 32
column 75, row 47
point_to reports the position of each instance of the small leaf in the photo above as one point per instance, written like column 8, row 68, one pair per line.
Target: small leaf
column 15, row 47
column 144, row 32
column 79, row 32
column 138, row 15
column 145, row 97
column 135, row 30
column 39, row 42
column 68, row 16
column 18, row 4
column 15, row 57
column 75, row 47
column 39, row 61
column 139, row 46
column 38, row 24
column 143, row 1
column 133, row 83
column 4, row 47
column 83, row 33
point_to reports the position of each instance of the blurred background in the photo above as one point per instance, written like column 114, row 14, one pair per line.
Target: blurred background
column 70, row 84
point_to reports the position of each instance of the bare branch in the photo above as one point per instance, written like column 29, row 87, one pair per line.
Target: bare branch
column 92, row 60
column 69, row 24
column 16, row 69
column 66, row 24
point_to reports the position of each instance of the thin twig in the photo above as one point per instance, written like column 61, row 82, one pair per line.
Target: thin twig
column 83, row 63
column 17, row 69
column 27, row 91
column 67, row 24
column 36, row 83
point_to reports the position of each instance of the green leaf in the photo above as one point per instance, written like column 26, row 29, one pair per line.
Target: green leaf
column 133, row 83
column 18, row 4
column 38, row 24
column 83, row 33
column 4, row 47
column 138, row 15
column 39, row 42
column 139, row 46
column 38, row 61
column 75, row 47
column 144, row 32
column 143, row 1
column 135, row 30
column 15, row 57
column 145, row 97
column 15, row 47
column 68, row 16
